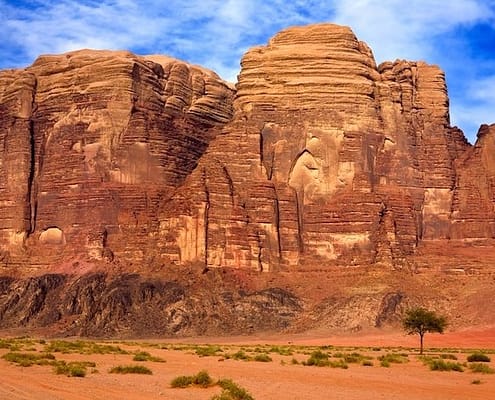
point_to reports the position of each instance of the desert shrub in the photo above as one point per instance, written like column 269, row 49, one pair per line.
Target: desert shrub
column 394, row 358
column 202, row 378
column 318, row 358
column 240, row 355
column 367, row 363
column 29, row 359
column 262, row 357
column 294, row 361
column 442, row 365
column 145, row 356
column 476, row 382
column 385, row 363
column 73, row 369
column 478, row 357
column 207, row 351
column 352, row 358
column 181, row 381
column 481, row 368
column 131, row 369
column 446, row 356
column 82, row 347
column 18, row 344
column 282, row 350
column 231, row 391
column 338, row 364
column 62, row 346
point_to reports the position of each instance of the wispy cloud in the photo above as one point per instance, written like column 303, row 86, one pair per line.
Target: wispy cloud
column 216, row 33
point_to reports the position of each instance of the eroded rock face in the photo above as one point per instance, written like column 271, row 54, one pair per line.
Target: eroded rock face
column 93, row 142
column 338, row 161
column 97, row 304
column 116, row 169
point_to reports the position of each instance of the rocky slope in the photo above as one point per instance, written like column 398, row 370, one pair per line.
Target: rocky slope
column 126, row 180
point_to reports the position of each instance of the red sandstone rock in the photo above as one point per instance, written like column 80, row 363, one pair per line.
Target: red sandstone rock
column 94, row 141
column 319, row 158
column 340, row 161
column 328, row 158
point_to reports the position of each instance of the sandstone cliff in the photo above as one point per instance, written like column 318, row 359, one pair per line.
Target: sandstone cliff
column 93, row 142
column 318, row 160
column 339, row 161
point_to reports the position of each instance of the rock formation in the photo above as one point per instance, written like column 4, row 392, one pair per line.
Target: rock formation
column 340, row 162
column 114, row 163
column 93, row 142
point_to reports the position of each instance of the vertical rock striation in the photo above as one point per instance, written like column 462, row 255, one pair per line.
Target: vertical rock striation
column 337, row 160
column 93, row 141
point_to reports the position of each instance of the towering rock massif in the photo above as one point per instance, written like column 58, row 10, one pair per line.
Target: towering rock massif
column 336, row 161
column 93, row 142
column 114, row 164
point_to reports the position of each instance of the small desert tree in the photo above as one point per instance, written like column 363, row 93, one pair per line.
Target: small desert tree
column 418, row 321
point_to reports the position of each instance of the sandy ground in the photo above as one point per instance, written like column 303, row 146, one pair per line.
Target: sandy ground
column 278, row 379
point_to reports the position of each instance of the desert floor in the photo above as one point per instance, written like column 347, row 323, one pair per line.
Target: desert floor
column 278, row 379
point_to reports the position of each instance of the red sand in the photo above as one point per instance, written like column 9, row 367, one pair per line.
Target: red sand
column 272, row 380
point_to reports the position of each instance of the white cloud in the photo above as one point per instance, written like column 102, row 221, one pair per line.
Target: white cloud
column 397, row 29
column 477, row 107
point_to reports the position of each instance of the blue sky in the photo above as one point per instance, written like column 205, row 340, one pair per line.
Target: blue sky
column 458, row 35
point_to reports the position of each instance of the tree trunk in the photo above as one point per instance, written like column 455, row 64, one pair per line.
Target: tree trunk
column 421, row 343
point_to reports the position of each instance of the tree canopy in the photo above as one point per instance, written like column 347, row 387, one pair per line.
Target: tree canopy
column 418, row 321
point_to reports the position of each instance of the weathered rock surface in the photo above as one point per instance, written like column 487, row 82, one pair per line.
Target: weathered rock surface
column 339, row 161
column 319, row 159
column 93, row 142
column 127, row 305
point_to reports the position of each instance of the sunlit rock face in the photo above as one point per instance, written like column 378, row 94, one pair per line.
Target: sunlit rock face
column 318, row 157
column 93, row 143
column 329, row 159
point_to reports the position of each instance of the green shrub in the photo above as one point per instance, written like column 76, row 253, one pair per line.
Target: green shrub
column 82, row 347
column 318, row 358
column 282, row 350
column 478, row 357
column 181, row 381
column 338, row 364
column 231, row 391
column 202, row 378
column 262, row 357
column 442, row 365
column 73, row 369
column 208, row 351
column 240, row 355
column 448, row 356
column 131, row 369
column 481, row 368
column 394, row 358
column 294, row 361
column 385, row 363
column 352, row 358
column 29, row 359
column 145, row 356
